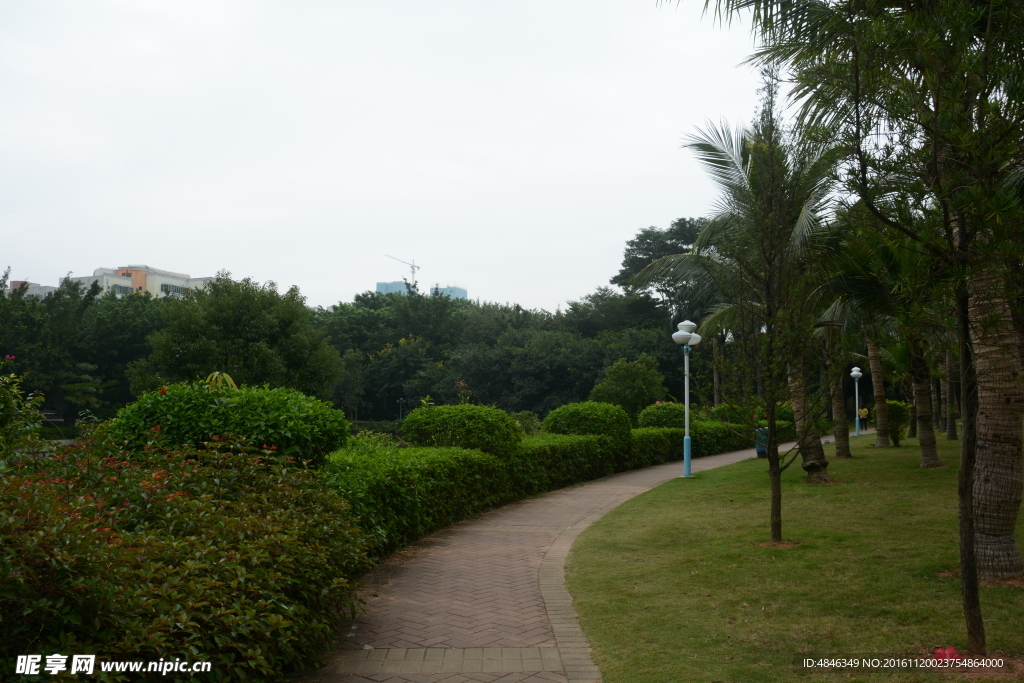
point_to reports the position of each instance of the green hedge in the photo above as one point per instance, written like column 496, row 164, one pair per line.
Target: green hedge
column 190, row 414
column 219, row 555
column 551, row 461
column 399, row 494
column 466, row 426
column 656, row 445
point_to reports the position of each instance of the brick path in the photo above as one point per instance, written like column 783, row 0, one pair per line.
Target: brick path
column 485, row 599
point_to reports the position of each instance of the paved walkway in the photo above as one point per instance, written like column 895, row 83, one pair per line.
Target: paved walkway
column 485, row 599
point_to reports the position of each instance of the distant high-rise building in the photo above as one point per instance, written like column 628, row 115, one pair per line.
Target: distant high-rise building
column 450, row 292
column 397, row 287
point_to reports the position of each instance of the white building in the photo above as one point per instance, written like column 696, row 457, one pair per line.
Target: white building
column 125, row 280
column 33, row 290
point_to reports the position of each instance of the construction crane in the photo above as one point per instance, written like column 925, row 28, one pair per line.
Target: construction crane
column 412, row 267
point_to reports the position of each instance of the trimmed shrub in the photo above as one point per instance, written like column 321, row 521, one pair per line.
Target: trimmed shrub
column 664, row 415
column 466, row 426
column 223, row 554
column 590, row 417
column 190, row 414
column 899, row 420
column 400, row 494
column 551, row 461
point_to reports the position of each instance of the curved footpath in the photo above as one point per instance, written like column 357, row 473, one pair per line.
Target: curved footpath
column 485, row 599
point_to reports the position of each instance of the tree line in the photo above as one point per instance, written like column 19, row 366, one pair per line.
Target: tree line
column 376, row 356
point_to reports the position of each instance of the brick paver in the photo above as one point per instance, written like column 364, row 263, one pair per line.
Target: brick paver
column 485, row 600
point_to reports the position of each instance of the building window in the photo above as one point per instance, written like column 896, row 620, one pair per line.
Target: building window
column 172, row 289
column 120, row 290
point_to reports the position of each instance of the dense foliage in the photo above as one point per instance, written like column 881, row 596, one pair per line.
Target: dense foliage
column 467, row 426
column 284, row 419
column 221, row 554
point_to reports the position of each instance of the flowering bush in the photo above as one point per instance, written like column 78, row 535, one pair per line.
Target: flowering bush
column 222, row 553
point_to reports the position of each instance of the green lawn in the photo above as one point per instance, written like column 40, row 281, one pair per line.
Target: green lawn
column 673, row 586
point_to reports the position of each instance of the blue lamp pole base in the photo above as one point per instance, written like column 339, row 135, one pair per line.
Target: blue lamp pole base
column 686, row 456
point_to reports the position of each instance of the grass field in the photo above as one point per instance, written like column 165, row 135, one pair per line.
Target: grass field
column 674, row 586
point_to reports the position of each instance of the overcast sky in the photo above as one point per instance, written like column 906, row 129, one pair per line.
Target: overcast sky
column 510, row 148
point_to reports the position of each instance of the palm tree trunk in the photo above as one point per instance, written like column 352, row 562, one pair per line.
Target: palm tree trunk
column 998, row 466
column 923, row 399
column 947, row 390
column 841, row 425
column 912, row 426
column 812, row 455
column 878, row 387
column 775, row 478
column 965, row 478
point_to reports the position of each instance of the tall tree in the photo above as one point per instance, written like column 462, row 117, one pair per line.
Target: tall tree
column 250, row 331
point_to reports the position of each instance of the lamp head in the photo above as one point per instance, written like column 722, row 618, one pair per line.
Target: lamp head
column 685, row 333
column 856, row 373
column 694, row 339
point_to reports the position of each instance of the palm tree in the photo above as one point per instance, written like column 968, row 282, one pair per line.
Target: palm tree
column 893, row 285
column 754, row 251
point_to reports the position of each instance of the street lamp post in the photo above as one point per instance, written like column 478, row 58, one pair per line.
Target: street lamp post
column 856, row 374
column 401, row 407
column 687, row 338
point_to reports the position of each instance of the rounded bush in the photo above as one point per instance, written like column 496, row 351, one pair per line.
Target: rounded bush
column 671, row 415
column 590, row 417
column 730, row 414
column 467, row 426
column 190, row 414
column 899, row 420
